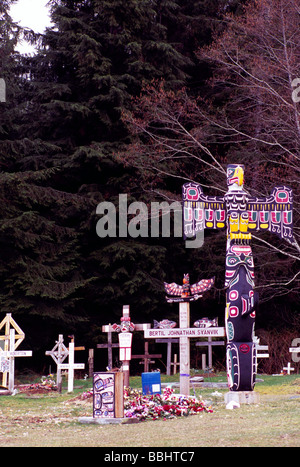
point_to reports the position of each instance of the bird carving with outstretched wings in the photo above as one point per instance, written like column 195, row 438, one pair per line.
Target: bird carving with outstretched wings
column 187, row 292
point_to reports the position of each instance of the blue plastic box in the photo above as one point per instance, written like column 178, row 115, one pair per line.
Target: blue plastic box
column 151, row 383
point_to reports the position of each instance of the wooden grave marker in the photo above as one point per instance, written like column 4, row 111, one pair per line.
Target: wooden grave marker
column 108, row 395
column 59, row 353
column 125, row 330
column 9, row 323
column 288, row 368
column 110, row 345
column 71, row 366
column 184, row 333
column 146, row 358
column 261, row 350
column 11, row 354
column 209, row 344
column 175, row 364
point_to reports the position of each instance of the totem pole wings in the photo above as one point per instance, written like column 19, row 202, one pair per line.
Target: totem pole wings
column 200, row 211
column 273, row 213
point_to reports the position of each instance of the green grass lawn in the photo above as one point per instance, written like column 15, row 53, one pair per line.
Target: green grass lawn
column 52, row 419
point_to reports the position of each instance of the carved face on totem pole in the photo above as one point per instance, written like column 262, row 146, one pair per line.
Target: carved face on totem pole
column 235, row 175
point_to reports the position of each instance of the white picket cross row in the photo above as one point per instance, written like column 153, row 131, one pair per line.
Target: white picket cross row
column 71, row 366
column 11, row 354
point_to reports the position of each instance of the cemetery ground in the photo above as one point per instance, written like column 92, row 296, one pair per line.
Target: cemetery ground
column 50, row 419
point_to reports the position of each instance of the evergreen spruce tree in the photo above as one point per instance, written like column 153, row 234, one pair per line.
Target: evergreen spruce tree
column 39, row 249
column 91, row 63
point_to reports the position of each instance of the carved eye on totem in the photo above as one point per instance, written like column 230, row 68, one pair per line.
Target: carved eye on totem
column 230, row 172
column 232, row 260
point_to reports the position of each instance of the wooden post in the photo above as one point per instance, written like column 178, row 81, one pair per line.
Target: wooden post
column 91, row 362
column 169, row 343
column 184, row 349
column 11, row 383
column 71, row 367
column 119, row 394
column 210, row 343
column 61, row 358
column 175, row 364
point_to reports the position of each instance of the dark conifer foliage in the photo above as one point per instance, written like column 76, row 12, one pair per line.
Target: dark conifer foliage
column 89, row 65
column 39, row 246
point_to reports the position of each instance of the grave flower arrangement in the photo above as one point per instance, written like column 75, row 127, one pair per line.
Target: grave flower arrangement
column 161, row 406
column 47, row 383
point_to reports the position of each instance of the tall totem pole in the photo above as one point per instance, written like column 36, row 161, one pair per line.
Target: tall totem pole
column 240, row 214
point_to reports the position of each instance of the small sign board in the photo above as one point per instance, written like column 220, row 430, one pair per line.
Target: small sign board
column 125, row 342
column 75, row 366
column 185, row 332
column 17, row 353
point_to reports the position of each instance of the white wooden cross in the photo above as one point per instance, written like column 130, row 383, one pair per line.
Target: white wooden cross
column 10, row 355
column 184, row 333
column 71, row 366
column 260, row 350
column 288, row 368
column 59, row 353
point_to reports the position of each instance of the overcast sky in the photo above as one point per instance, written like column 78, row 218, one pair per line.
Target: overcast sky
column 32, row 14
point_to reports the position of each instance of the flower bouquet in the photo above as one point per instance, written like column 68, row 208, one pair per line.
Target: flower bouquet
column 161, row 406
